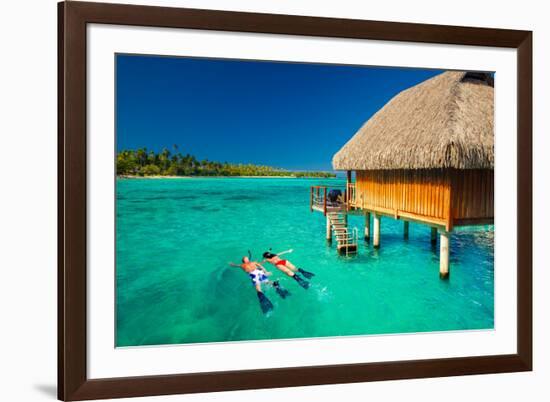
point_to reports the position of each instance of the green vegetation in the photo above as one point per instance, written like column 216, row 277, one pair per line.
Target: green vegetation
column 141, row 162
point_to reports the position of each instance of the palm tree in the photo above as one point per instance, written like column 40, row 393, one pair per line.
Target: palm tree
column 164, row 158
column 141, row 156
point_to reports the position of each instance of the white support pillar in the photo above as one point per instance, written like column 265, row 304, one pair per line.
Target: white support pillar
column 376, row 234
column 329, row 230
column 434, row 236
column 405, row 229
column 367, row 226
column 444, row 243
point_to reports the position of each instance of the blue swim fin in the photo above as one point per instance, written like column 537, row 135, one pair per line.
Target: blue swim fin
column 306, row 274
column 280, row 291
column 265, row 304
column 301, row 281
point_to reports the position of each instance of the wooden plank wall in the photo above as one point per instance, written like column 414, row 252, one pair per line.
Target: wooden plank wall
column 422, row 192
column 431, row 195
column 473, row 194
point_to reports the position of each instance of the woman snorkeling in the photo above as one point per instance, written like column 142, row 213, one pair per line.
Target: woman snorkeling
column 287, row 267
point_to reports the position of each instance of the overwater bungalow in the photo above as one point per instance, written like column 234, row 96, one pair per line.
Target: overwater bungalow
column 427, row 156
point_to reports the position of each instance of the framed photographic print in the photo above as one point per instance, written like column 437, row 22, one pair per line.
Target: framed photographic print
column 253, row 201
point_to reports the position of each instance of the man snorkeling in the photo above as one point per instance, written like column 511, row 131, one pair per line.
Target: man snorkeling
column 259, row 275
column 288, row 268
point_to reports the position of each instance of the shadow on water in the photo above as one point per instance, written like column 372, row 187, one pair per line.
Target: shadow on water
column 212, row 192
column 199, row 208
column 171, row 197
column 373, row 253
column 241, row 198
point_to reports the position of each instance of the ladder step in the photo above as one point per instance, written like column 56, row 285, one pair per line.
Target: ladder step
column 346, row 238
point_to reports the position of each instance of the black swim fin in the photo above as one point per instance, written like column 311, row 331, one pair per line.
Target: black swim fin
column 265, row 304
column 306, row 274
column 301, row 282
column 280, row 291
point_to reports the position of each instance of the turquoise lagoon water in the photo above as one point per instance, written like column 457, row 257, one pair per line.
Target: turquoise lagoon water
column 175, row 238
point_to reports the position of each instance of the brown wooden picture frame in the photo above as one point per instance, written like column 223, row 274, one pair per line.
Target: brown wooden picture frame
column 73, row 382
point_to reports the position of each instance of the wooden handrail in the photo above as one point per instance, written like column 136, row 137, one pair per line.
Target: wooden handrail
column 346, row 201
column 350, row 195
column 318, row 198
column 325, row 202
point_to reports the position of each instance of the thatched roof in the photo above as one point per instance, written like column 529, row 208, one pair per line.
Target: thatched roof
column 444, row 122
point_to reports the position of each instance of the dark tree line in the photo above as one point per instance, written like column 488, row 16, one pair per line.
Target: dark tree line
column 142, row 162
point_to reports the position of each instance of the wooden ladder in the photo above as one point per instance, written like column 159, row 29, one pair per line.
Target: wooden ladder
column 346, row 238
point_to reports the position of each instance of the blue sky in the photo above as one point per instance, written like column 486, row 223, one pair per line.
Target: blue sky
column 287, row 115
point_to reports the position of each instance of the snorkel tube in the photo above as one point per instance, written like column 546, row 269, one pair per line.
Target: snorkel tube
column 269, row 254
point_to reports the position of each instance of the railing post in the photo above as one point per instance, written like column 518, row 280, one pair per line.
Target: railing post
column 325, row 201
column 311, row 199
column 346, row 198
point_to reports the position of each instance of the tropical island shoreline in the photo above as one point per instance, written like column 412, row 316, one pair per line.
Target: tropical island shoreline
column 165, row 164
column 221, row 177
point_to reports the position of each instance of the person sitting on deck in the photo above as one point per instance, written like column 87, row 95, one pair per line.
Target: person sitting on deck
column 335, row 198
column 287, row 267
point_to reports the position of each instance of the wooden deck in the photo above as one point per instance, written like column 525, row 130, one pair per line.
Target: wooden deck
column 319, row 200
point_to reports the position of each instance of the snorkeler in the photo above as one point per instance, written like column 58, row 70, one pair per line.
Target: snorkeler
column 288, row 268
column 259, row 275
